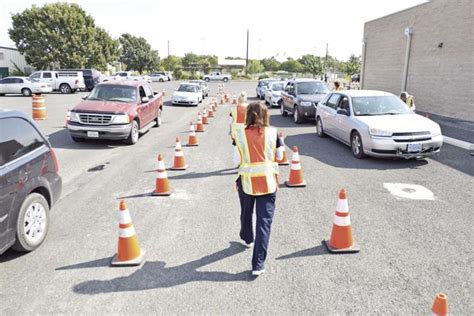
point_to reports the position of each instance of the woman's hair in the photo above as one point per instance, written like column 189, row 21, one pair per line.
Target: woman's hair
column 257, row 115
column 242, row 97
column 336, row 84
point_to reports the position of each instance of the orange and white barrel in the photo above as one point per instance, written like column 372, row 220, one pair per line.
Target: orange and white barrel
column 38, row 107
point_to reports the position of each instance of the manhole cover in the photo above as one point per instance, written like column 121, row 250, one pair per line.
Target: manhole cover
column 409, row 191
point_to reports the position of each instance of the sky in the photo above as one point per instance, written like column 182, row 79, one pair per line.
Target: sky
column 277, row 28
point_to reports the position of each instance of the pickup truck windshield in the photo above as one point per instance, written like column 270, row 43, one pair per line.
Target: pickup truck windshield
column 187, row 88
column 379, row 105
column 312, row 87
column 116, row 93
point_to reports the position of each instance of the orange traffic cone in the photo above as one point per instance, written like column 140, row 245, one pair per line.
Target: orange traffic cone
column 179, row 162
column 296, row 175
column 164, row 92
column 192, row 139
column 221, row 101
column 199, row 126
column 284, row 160
column 204, row 116
column 234, row 100
column 341, row 235
column 129, row 252
column 162, row 184
column 214, row 100
column 210, row 113
column 440, row 305
column 226, row 97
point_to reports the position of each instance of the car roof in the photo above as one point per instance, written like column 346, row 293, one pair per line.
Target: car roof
column 130, row 83
column 190, row 83
column 4, row 113
column 14, row 77
column 304, row 80
column 365, row 93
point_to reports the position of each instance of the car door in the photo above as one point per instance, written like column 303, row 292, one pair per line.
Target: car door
column 17, row 85
column 343, row 123
column 48, row 78
column 2, row 86
column 9, row 85
column 286, row 95
column 143, row 108
column 153, row 104
column 330, row 113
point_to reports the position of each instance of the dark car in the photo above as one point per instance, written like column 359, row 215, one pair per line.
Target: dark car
column 29, row 182
column 91, row 77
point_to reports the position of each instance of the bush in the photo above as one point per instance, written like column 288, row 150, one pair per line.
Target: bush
column 263, row 76
column 185, row 75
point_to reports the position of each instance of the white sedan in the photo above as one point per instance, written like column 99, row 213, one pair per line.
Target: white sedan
column 158, row 78
column 23, row 85
column 187, row 94
column 273, row 93
column 378, row 124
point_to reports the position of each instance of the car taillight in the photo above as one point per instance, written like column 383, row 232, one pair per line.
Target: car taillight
column 55, row 161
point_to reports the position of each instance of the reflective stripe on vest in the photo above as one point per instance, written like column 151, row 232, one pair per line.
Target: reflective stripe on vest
column 258, row 178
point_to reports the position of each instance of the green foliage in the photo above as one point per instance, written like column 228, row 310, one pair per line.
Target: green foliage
column 271, row 64
column 234, row 73
column 189, row 60
column 17, row 70
column 263, row 76
column 291, row 65
column 352, row 65
column 254, row 67
column 62, row 34
column 185, row 75
column 137, row 54
column 312, row 64
column 177, row 72
column 171, row 62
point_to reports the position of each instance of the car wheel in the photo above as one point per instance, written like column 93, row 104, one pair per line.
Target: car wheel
column 161, row 80
column 2, row 94
column 320, row 128
column 282, row 109
column 357, row 146
column 296, row 116
column 77, row 139
column 65, row 88
column 206, row 79
column 225, row 79
column 26, row 92
column 32, row 224
column 158, row 118
column 134, row 134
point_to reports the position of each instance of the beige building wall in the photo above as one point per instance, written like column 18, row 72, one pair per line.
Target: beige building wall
column 441, row 62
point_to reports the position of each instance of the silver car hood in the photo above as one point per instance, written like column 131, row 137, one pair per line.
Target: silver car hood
column 402, row 123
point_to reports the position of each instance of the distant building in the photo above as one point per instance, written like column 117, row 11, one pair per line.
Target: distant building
column 9, row 56
column 427, row 50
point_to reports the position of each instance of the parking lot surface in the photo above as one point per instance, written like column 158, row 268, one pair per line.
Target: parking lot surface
column 412, row 245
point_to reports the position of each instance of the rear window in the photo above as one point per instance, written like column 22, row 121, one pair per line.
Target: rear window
column 17, row 138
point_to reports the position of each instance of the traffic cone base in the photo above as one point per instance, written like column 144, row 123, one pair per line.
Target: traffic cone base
column 192, row 145
column 134, row 262
column 179, row 168
column 354, row 248
column 167, row 193
column 298, row 185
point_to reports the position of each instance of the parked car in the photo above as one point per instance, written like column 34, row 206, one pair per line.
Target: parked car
column 91, row 77
column 273, row 93
column 187, row 94
column 378, row 124
column 29, row 182
column 125, row 75
column 204, row 87
column 300, row 97
column 63, row 81
column 167, row 74
column 23, row 85
column 217, row 76
column 158, row 77
column 116, row 110
column 262, row 87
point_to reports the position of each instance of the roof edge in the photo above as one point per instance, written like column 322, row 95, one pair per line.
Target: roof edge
column 397, row 12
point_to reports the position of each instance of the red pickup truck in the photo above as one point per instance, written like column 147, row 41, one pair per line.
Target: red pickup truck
column 116, row 110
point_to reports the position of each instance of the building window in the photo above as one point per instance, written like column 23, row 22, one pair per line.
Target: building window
column 2, row 56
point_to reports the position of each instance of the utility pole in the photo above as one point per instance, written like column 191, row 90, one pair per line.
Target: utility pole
column 168, row 48
column 326, row 63
column 247, row 56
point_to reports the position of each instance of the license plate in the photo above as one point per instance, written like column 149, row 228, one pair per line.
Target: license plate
column 93, row 134
column 414, row 148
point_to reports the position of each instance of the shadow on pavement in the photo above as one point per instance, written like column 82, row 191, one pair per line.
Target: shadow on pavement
column 10, row 255
column 277, row 120
column 155, row 274
column 62, row 139
column 315, row 251
column 195, row 175
column 105, row 262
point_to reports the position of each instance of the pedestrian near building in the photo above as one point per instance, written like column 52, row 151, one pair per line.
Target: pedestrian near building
column 259, row 148
column 409, row 100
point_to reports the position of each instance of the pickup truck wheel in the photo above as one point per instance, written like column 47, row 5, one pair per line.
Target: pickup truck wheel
column 356, row 145
column 134, row 133
column 65, row 88
column 158, row 118
column 26, row 92
column 320, row 128
column 206, row 79
column 32, row 224
column 225, row 79
column 296, row 116
column 282, row 109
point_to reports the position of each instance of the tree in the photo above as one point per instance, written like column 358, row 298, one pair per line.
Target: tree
column 291, row 65
column 270, row 64
column 190, row 59
column 352, row 65
column 171, row 62
column 61, row 34
column 254, row 67
column 137, row 54
column 312, row 64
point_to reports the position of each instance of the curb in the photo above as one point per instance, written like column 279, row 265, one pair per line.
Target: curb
column 458, row 143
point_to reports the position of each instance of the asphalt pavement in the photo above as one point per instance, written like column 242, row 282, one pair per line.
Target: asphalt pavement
column 411, row 249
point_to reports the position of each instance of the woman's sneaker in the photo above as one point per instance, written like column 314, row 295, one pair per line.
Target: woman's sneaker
column 257, row 272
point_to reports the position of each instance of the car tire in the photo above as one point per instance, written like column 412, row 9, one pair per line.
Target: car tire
column 356, row 145
column 161, row 80
column 65, row 88
column 26, row 92
column 77, row 139
column 320, row 128
column 225, row 79
column 296, row 116
column 158, row 117
column 206, row 79
column 282, row 109
column 34, row 213
column 2, row 94
column 134, row 134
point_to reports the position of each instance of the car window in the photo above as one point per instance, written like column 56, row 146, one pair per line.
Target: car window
column 343, row 103
column 142, row 92
column 110, row 92
column 187, row 88
column 36, row 75
column 46, row 75
column 379, row 105
column 333, row 101
column 17, row 80
column 17, row 138
column 148, row 91
column 7, row 80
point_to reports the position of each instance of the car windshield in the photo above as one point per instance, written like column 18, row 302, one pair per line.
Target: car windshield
column 312, row 87
column 277, row 87
column 379, row 105
column 187, row 88
column 117, row 93
column 262, row 83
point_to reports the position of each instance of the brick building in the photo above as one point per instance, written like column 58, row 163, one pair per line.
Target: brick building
column 427, row 50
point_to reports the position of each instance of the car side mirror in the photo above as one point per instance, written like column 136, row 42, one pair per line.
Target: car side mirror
column 343, row 112
column 145, row 99
column 84, row 97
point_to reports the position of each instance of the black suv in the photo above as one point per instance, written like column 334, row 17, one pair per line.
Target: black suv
column 91, row 77
column 29, row 182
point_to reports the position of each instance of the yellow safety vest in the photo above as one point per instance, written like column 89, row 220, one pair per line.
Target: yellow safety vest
column 409, row 101
column 259, row 176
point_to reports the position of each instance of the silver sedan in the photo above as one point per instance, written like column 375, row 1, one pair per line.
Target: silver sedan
column 378, row 124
